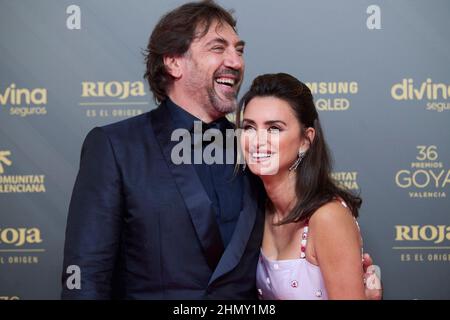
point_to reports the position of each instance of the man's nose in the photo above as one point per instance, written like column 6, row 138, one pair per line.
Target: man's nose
column 234, row 60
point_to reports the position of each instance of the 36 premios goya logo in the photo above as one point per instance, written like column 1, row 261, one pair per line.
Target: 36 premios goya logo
column 426, row 177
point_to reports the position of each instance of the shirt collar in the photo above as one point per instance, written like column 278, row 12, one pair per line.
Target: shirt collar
column 185, row 120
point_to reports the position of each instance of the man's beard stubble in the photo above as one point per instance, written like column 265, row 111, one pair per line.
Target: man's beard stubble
column 220, row 105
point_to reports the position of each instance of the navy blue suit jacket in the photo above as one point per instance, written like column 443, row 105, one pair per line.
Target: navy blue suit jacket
column 141, row 227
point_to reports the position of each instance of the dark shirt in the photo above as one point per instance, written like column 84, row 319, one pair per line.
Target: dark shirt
column 222, row 182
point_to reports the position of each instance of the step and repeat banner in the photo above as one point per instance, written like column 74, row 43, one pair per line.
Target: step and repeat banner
column 379, row 72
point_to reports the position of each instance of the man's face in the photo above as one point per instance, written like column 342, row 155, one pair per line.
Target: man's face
column 213, row 69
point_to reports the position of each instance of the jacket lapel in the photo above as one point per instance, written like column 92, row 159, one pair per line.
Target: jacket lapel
column 241, row 235
column 195, row 197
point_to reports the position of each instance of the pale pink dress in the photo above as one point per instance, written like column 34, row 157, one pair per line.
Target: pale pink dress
column 293, row 279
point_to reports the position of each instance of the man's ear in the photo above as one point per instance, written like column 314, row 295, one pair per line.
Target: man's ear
column 173, row 66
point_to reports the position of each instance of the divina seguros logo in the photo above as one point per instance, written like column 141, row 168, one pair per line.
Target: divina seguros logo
column 437, row 94
column 24, row 102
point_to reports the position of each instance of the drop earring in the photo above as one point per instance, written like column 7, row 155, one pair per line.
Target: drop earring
column 297, row 162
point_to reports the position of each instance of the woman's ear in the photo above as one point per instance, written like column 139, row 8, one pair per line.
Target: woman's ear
column 173, row 66
column 310, row 134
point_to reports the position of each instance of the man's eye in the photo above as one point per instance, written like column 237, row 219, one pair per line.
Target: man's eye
column 218, row 48
column 240, row 51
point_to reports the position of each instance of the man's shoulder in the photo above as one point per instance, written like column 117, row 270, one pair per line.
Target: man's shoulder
column 139, row 122
column 131, row 131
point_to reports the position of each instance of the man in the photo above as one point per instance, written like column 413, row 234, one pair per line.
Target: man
column 141, row 226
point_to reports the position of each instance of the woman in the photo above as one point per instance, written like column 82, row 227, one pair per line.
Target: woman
column 311, row 246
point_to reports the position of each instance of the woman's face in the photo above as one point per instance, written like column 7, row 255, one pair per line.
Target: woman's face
column 271, row 136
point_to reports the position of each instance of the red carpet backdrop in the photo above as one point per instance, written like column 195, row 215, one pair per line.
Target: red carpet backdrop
column 379, row 71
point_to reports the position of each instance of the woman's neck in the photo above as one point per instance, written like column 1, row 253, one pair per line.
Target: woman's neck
column 280, row 189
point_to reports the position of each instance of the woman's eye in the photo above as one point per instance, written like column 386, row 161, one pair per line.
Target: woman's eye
column 274, row 129
column 247, row 127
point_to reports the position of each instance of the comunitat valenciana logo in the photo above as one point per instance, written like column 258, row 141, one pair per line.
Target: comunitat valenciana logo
column 346, row 179
column 4, row 160
column 436, row 94
column 419, row 243
column 24, row 102
column 18, row 183
column 426, row 177
column 334, row 95
column 112, row 98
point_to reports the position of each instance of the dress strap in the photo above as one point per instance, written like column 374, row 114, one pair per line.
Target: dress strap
column 304, row 240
